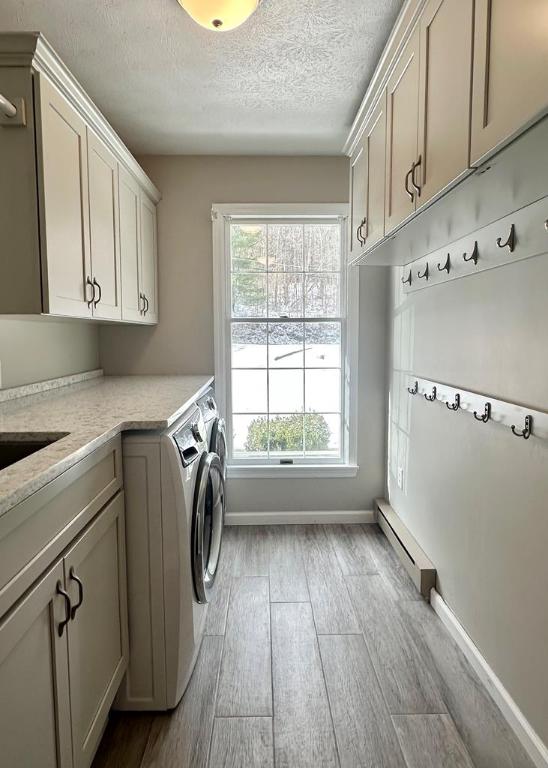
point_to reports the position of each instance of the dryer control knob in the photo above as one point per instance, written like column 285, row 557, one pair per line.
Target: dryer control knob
column 196, row 432
column 210, row 403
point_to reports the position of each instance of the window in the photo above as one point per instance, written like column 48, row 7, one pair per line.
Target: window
column 282, row 357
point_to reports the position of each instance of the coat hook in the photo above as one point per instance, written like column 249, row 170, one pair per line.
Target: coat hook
column 510, row 241
column 413, row 390
column 433, row 396
column 486, row 414
column 409, row 278
column 474, row 256
column 455, row 405
column 525, row 433
column 425, row 274
column 447, row 266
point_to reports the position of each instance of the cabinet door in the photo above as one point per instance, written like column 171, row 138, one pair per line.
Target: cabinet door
column 358, row 199
column 402, row 105
column 375, row 147
column 445, row 92
column 64, row 208
column 130, row 246
column 510, row 65
column 34, row 704
column 149, row 259
column 97, row 637
column 103, row 227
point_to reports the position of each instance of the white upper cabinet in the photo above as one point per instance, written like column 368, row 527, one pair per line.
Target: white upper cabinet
column 402, row 107
column 149, row 260
column 358, row 199
column 445, row 88
column 60, row 200
column 510, row 65
column 374, row 142
column 104, row 230
column 64, row 204
column 130, row 246
column 457, row 81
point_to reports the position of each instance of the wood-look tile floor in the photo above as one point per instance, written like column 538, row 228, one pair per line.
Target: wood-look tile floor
column 319, row 652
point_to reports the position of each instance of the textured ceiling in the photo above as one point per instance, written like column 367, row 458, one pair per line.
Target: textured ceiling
column 288, row 81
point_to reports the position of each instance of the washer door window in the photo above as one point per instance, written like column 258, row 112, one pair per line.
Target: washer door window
column 218, row 442
column 207, row 524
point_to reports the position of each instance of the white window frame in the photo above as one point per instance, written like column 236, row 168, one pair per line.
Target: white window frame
column 222, row 214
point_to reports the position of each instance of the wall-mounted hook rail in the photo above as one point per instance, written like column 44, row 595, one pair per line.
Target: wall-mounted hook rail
column 425, row 274
column 486, row 415
column 455, row 405
column 409, row 279
column 447, row 266
column 496, row 412
column 510, row 241
column 433, row 396
column 474, row 256
column 527, row 431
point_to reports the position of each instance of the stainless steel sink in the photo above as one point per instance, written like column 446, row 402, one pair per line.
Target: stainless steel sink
column 14, row 448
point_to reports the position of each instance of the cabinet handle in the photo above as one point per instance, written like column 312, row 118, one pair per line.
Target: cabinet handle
column 413, row 182
column 362, row 225
column 66, row 596
column 88, row 282
column 406, row 184
column 96, row 301
column 146, row 303
column 142, row 299
column 75, row 578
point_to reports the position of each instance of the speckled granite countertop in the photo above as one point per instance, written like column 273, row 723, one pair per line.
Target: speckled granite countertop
column 91, row 412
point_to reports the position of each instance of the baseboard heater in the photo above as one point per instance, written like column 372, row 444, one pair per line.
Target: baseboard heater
column 413, row 559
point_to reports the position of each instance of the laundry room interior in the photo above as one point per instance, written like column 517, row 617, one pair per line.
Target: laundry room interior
column 273, row 384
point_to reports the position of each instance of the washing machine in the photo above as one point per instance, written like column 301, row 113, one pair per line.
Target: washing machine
column 215, row 425
column 174, row 491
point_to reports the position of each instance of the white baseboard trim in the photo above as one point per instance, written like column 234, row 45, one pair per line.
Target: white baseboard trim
column 284, row 518
column 532, row 743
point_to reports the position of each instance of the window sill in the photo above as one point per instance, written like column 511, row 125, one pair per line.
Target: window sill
column 258, row 471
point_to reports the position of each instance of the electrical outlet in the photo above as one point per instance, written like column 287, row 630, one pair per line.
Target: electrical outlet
column 400, row 478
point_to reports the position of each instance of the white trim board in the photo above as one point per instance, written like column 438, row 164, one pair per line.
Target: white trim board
column 531, row 742
column 285, row 518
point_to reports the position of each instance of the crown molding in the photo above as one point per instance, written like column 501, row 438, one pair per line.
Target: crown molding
column 31, row 49
column 405, row 23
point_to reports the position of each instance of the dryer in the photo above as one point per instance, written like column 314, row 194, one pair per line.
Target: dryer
column 174, row 489
column 215, row 425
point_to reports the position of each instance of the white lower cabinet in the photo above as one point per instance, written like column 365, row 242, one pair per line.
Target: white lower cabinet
column 95, row 575
column 34, row 679
column 64, row 650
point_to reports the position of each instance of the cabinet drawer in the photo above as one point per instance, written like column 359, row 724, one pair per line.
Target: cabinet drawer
column 36, row 531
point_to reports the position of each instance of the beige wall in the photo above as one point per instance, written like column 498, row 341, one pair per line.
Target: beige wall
column 476, row 497
column 183, row 340
column 37, row 348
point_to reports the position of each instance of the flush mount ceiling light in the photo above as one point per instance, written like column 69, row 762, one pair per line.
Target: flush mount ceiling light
column 220, row 15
